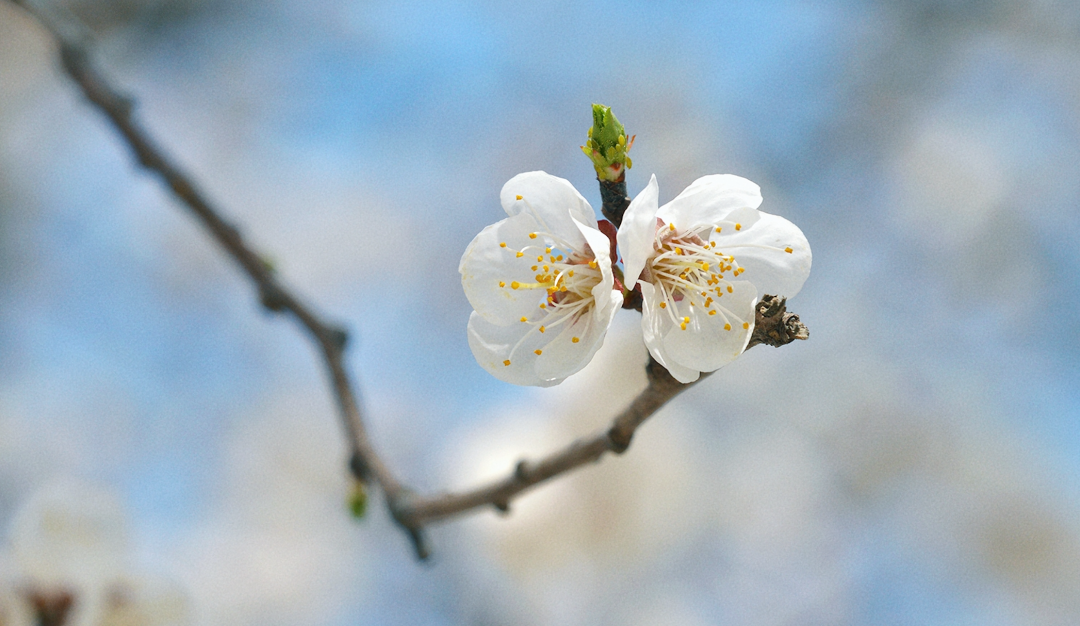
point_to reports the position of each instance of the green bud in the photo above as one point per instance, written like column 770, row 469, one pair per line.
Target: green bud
column 358, row 500
column 607, row 145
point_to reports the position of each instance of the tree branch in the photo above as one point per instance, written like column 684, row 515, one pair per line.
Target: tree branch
column 329, row 339
column 774, row 326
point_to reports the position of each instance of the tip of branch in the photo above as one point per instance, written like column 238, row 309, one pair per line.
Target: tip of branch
column 774, row 326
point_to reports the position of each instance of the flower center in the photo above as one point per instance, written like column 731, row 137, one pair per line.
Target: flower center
column 567, row 278
column 691, row 275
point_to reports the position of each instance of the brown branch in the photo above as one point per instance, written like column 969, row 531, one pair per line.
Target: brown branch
column 329, row 339
column 774, row 326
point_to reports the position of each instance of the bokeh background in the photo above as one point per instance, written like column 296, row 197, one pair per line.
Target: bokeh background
column 916, row 462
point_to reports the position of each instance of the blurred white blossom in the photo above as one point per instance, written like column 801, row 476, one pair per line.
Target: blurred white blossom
column 69, row 557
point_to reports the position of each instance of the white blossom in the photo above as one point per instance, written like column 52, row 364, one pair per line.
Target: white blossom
column 541, row 284
column 703, row 261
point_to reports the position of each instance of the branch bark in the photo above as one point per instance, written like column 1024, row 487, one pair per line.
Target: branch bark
column 774, row 326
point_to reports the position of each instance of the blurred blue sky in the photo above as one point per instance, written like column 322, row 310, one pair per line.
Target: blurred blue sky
column 915, row 462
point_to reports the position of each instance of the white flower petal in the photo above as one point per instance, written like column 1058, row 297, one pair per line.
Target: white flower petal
column 560, row 356
column 710, row 200
column 761, row 249
column 638, row 231
column 552, row 201
column 712, row 341
column 489, row 269
column 655, row 325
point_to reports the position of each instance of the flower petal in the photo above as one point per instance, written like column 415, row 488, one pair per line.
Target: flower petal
column 489, row 269
column 638, row 231
column 761, row 249
column 655, row 325
column 510, row 352
column 710, row 200
column 552, row 201
column 712, row 341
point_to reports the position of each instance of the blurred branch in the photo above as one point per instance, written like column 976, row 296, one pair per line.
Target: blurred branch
column 411, row 511
column 330, row 339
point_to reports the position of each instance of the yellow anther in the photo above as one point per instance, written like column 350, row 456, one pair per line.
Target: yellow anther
column 788, row 250
column 713, row 312
column 532, row 235
column 538, row 352
column 558, row 258
column 575, row 340
column 542, row 329
column 704, row 266
column 570, row 273
column 727, row 326
column 540, row 259
column 507, row 361
column 671, row 226
column 524, row 319
column 543, row 306
column 535, row 267
column 678, row 250
column 593, row 264
column 682, row 326
column 515, row 285
column 746, row 325
column 547, row 250
column 738, row 227
column 686, row 320
column 718, row 229
column 520, row 254
column 502, row 244
column 546, row 268
column 663, row 305
column 729, row 289
column 502, row 283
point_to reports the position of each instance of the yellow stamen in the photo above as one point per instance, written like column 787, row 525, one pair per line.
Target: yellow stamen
column 532, row 235
column 713, row 312
column 575, row 340
column 507, row 361
column 729, row 289
column 502, row 283
column 746, row 325
column 570, row 273
column 515, row 285
column 663, row 305
column 718, row 229
column 727, row 326
column 593, row 264
column 524, row 319
column 671, row 226
column 538, row 352
column 519, row 197
column 502, row 244
column 788, row 250
column 520, row 254
column 541, row 329
column 738, row 227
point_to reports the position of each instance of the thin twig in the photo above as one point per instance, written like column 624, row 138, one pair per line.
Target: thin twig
column 329, row 339
column 411, row 511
